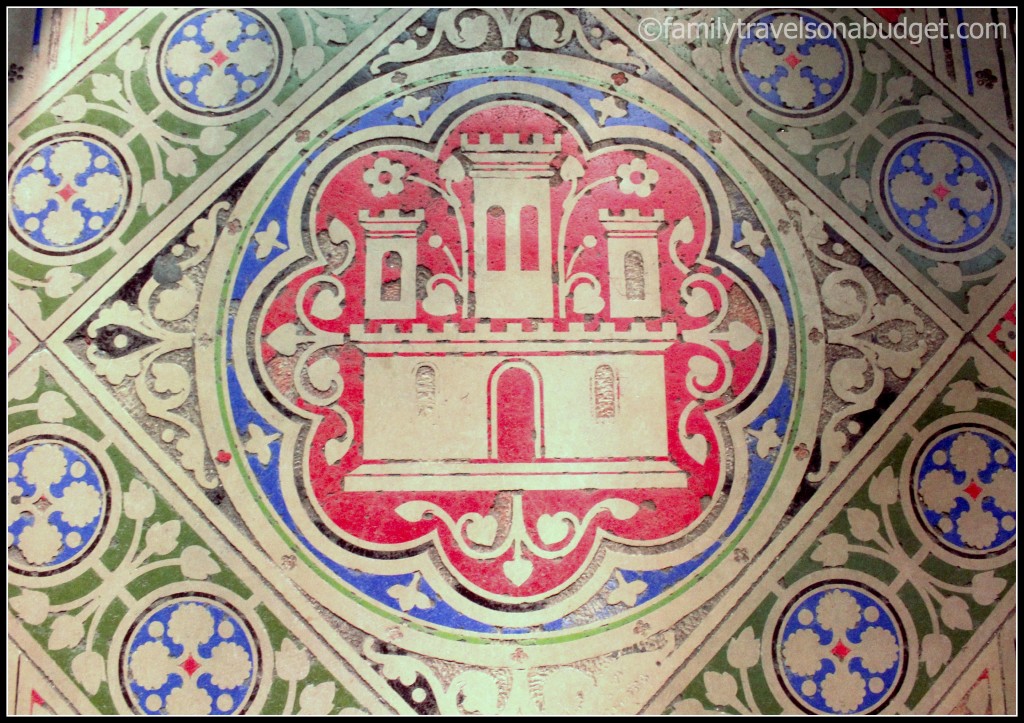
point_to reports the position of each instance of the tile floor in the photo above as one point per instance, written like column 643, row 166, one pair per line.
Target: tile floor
column 511, row 361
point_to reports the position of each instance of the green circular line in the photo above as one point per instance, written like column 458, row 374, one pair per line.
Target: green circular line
column 684, row 586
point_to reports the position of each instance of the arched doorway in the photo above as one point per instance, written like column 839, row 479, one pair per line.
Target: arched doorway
column 515, row 415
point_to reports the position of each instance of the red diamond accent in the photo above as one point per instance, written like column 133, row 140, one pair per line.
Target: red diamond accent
column 223, row 456
column 941, row 191
column 218, row 58
column 973, row 490
column 66, row 192
column 190, row 666
column 890, row 14
column 840, row 650
column 792, row 60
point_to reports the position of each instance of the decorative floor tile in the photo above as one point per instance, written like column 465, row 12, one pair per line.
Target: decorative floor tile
column 511, row 361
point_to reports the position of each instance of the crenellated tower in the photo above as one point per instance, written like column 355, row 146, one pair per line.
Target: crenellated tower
column 391, row 263
column 512, row 224
column 634, row 279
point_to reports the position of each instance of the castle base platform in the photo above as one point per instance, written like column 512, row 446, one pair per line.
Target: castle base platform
column 476, row 476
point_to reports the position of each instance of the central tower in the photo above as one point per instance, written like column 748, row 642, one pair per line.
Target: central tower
column 512, row 225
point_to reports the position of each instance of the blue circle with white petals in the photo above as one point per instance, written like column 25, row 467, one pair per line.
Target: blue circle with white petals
column 840, row 649
column 792, row 63
column 68, row 194
column 219, row 61
column 57, row 506
column 965, row 490
column 191, row 655
column 941, row 192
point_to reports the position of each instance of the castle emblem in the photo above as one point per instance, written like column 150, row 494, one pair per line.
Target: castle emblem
column 507, row 350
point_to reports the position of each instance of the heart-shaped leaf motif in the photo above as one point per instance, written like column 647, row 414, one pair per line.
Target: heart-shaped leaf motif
column 936, row 649
column 948, row 277
column 699, row 303
column 332, row 30
column 197, row 564
column 61, row 281
column 139, row 502
column 339, row 232
column 175, row 304
column 131, row 56
column 155, row 193
column 721, row 688
column 162, row 537
column 337, row 448
column 847, row 375
column 67, row 631
column 284, row 339
column 703, row 370
column 621, row 509
column 744, row 650
column 518, row 570
column 308, row 59
column 292, row 663
column 856, row 192
column 884, row 488
column 962, row 396
column 71, row 108
column 451, row 170
column 32, row 606
column 863, row 523
column 317, row 699
column 697, row 447
column 985, row 587
column 413, row 511
column 482, row 531
column 214, row 140
column 89, row 669
column 586, row 299
column 831, row 161
column 683, row 233
column 741, row 336
column 552, row 529
column 54, row 407
column 440, row 300
column 932, row 108
column 798, row 140
column 832, row 550
column 328, row 304
column 170, row 378
column 323, row 374
column 571, row 170
column 955, row 613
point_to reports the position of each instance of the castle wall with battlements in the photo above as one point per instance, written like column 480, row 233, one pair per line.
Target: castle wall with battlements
column 404, row 420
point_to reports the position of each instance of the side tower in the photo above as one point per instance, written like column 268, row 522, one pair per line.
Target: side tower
column 634, row 279
column 512, row 225
column 391, row 263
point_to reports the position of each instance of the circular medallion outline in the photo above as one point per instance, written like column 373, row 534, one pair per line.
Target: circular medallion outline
column 48, row 207
column 64, row 483
column 796, row 72
column 921, row 209
column 235, row 446
column 950, row 503
column 267, row 381
column 215, row 70
column 171, row 677
column 861, row 665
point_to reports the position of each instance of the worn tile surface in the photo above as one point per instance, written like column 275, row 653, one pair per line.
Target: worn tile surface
column 510, row 361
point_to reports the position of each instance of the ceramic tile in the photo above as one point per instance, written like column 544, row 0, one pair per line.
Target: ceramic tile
column 511, row 361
